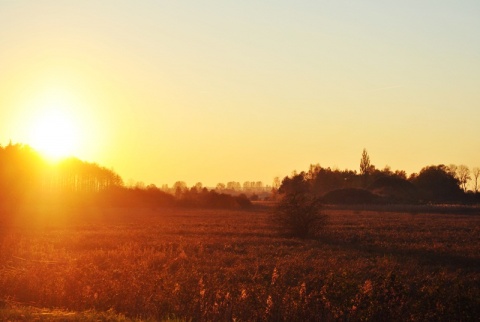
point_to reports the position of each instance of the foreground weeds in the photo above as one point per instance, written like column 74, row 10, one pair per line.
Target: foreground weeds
column 203, row 265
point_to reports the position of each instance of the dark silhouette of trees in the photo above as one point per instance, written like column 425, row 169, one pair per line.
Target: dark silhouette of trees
column 26, row 178
column 211, row 199
column 21, row 173
column 463, row 175
column 297, row 183
column 367, row 170
column 324, row 180
column 433, row 184
column 452, row 169
column 437, row 184
column 69, row 175
column 365, row 166
column 129, row 197
column 74, row 175
column 476, row 174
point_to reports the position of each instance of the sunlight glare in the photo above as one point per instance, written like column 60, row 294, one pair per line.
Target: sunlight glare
column 54, row 132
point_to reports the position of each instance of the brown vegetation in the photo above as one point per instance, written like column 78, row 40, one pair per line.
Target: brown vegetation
column 74, row 240
column 220, row 265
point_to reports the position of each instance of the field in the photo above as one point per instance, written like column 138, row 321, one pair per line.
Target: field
column 224, row 265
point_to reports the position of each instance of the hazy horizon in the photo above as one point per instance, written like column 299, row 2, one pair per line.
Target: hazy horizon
column 217, row 92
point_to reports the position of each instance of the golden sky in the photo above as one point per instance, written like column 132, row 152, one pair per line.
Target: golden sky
column 217, row 91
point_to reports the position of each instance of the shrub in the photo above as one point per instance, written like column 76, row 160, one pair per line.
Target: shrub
column 299, row 215
column 243, row 201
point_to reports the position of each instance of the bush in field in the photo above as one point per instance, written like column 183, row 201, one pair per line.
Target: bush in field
column 299, row 214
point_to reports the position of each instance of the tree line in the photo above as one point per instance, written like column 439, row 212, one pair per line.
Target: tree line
column 299, row 212
column 433, row 184
column 26, row 178
column 255, row 190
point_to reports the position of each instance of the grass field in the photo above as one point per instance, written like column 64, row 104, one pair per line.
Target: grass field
column 224, row 265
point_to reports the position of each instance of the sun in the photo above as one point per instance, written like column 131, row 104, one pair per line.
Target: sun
column 61, row 114
column 55, row 134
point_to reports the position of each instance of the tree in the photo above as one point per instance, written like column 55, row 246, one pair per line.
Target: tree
column 313, row 171
column 400, row 174
column 247, row 186
column 387, row 171
column 198, row 186
column 463, row 175
column 179, row 188
column 326, row 180
column 297, row 183
column 365, row 166
column 452, row 169
column 476, row 174
column 21, row 172
column 437, row 184
column 234, row 186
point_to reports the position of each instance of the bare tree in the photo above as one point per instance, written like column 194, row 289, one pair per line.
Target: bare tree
column 452, row 169
column 463, row 175
column 476, row 174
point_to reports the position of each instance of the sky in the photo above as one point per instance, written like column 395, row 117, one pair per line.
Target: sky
column 218, row 91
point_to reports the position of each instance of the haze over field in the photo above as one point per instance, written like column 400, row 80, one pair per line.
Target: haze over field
column 216, row 91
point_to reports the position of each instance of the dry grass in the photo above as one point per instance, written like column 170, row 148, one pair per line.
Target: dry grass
column 211, row 265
